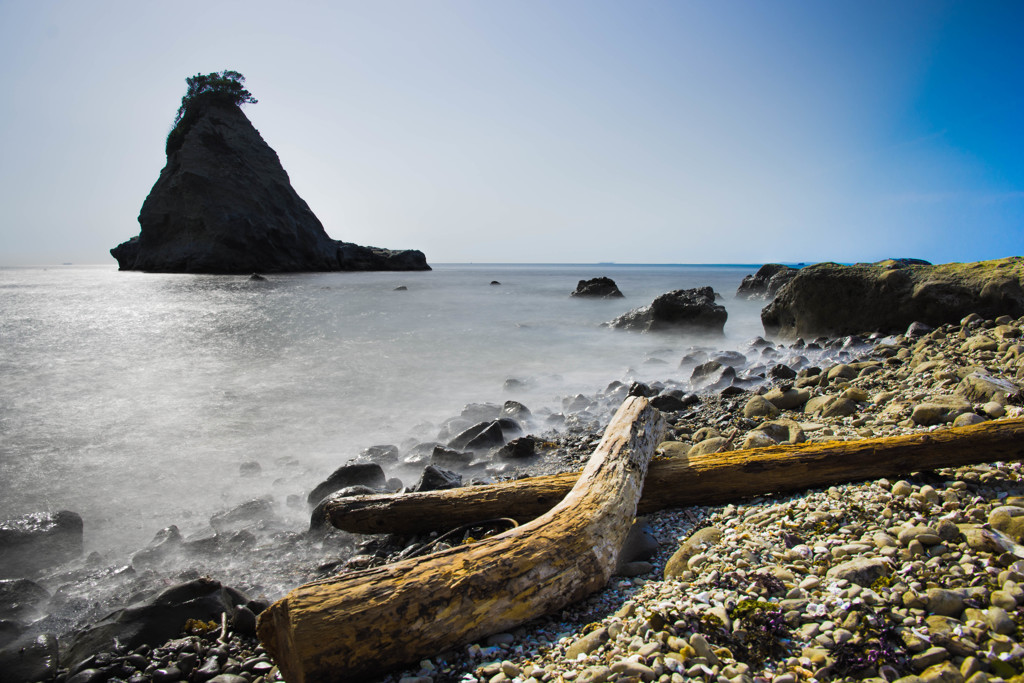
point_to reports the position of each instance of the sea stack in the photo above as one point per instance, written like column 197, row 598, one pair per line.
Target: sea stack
column 224, row 204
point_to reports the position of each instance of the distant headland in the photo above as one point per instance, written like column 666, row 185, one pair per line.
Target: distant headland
column 224, row 204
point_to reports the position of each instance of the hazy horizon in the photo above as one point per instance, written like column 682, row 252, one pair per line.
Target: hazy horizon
column 529, row 132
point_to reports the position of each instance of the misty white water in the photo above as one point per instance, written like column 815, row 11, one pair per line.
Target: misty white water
column 133, row 398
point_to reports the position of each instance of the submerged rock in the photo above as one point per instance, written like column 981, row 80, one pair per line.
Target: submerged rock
column 30, row 658
column 20, row 598
column 598, row 288
column 692, row 310
column 37, row 541
column 224, row 204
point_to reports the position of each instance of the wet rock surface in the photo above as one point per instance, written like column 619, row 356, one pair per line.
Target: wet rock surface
column 692, row 310
column 766, row 282
column 38, row 541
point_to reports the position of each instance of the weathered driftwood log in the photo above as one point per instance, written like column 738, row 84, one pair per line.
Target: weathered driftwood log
column 701, row 480
column 355, row 624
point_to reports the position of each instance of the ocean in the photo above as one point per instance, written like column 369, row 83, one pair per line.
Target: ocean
column 134, row 399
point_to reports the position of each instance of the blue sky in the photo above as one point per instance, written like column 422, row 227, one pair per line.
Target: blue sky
column 683, row 132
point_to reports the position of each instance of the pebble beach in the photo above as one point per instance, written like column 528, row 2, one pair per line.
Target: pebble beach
column 911, row 578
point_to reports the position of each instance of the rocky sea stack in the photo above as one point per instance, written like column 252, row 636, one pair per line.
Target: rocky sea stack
column 831, row 299
column 224, row 204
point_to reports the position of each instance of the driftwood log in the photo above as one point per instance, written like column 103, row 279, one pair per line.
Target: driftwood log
column 710, row 479
column 361, row 623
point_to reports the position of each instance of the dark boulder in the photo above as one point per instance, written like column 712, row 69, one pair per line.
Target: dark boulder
column 781, row 372
column 523, row 447
column 768, row 280
column 21, row 598
column 688, row 310
column 674, row 401
column 886, row 297
column 224, row 204
column 437, row 479
column 598, row 288
column 29, row 659
column 360, row 474
column 450, row 459
column 158, row 620
column 38, row 541
column 516, row 411
column 480, row 437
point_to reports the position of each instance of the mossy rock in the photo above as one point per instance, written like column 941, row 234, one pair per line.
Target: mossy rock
column 833, row 299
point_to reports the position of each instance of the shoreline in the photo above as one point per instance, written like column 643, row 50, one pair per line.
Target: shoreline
column 528, row 654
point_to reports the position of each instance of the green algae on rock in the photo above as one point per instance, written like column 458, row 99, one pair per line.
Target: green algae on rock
column 833, row 299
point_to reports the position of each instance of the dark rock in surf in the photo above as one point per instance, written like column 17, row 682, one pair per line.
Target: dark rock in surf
column 641, row 389
column 256, row 277
column 158, row 620
column 477, row 412
column 523, row 447
column 480, row 437
column 21, row 598
column 38, row 541
column 516, row 411
column 30, row 658
column 165, row 544
column 712, row 376
column 383, row 454
column 437, row 479
column 768, row 280
column 10, row 631
column 448, row 458
column 224, row 204
column 361, row 474
column 682, row 310
column 598, row 288
column 249, row 513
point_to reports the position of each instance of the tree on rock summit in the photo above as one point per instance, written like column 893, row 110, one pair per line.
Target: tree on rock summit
column 226, row 87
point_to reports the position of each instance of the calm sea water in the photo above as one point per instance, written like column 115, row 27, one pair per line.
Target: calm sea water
column 134, row 398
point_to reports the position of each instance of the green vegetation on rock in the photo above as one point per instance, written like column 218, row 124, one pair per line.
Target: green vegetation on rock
column 220, row 87
column 833, row 299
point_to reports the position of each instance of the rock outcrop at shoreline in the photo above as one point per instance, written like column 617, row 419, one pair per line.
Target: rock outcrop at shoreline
column 224, row 204
column 768, row 280
column 833, row 300
column 690, row 310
